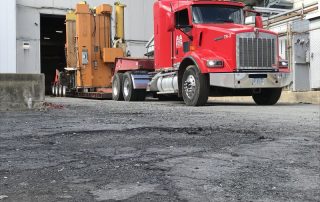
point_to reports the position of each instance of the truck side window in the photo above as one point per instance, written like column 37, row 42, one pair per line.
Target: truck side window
column 182, row 17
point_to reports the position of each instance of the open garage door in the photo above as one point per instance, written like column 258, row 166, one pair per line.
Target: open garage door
column 53, row 39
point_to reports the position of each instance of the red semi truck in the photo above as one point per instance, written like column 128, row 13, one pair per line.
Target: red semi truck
column 201, row 49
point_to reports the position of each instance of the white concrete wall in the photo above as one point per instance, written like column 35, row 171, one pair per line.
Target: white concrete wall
column 28, row 30
column 8, row 37
column 315, row 53
column 138, row 26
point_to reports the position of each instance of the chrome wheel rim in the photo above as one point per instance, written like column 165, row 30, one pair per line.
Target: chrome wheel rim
column 115, row 89
column 64, row 91
column 126, row 87
column 57, row 91
column 190, row 86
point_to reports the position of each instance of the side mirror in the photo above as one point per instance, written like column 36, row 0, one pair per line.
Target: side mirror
column 257, row 18
column 170, row 22
column 258, row 21
column 183, row 26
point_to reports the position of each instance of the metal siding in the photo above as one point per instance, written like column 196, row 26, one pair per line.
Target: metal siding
column 8, row 37
column 300, row 48
column 138, row 25
column 315, row 54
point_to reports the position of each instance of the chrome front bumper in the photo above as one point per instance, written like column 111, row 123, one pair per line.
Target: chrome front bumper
column 250, row 80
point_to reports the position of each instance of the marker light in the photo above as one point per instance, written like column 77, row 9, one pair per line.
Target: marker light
column 283, row 64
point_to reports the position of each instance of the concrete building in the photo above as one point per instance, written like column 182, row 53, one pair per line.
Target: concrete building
column 33, row 40
column 40, row 29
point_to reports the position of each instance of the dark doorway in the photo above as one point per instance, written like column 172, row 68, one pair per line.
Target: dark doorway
column 53, row 39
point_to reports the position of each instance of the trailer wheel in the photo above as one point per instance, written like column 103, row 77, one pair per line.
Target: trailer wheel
column 56, row 87
column 53, row 91
column 60, row 91
column 195, row 87
column 129, row 93
column 64, row 91
column 117, row 94
column 267, row 96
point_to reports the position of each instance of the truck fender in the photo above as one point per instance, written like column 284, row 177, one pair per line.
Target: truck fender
column 185, row 63
column 198, row 62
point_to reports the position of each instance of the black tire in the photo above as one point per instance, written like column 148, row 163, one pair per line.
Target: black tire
column 117, row 81
column 267, row 96
column 195, row 87
column 129, row 93
column 58, row 90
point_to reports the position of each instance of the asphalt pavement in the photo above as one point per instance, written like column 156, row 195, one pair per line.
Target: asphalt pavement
column 100, row 150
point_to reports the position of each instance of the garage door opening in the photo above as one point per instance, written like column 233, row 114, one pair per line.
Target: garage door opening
column 53, row 39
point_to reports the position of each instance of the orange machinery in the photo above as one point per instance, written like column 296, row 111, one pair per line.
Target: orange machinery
column 89, row 51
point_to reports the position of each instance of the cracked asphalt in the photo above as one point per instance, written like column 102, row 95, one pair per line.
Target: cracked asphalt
column 98, row 150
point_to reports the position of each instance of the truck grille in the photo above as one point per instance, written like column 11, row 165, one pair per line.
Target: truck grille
column 256, row 53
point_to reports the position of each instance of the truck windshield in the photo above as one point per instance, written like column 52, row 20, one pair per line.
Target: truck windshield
column 206, row 14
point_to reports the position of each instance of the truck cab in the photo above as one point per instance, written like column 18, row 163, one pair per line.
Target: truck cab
column 204, row 48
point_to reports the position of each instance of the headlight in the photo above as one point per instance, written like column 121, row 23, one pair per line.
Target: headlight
column 215, row 63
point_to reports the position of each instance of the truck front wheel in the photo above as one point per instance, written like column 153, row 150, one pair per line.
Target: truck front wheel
column 195, row 87
column 267, row 96
column 117, row 87
column 129, row 93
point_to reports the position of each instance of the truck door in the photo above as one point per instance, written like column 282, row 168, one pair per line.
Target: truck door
column 181, row 41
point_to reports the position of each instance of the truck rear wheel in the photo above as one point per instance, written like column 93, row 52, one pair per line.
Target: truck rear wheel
column 195, row 87
column 53, row 89
column 58, row 90
column 117, row 94
column 129, row 93
column 267, row 96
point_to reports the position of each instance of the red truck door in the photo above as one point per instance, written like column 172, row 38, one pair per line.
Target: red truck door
column 181, row 41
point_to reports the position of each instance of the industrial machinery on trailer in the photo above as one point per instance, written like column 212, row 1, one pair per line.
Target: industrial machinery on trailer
column 90, row 53
column 202, row 48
